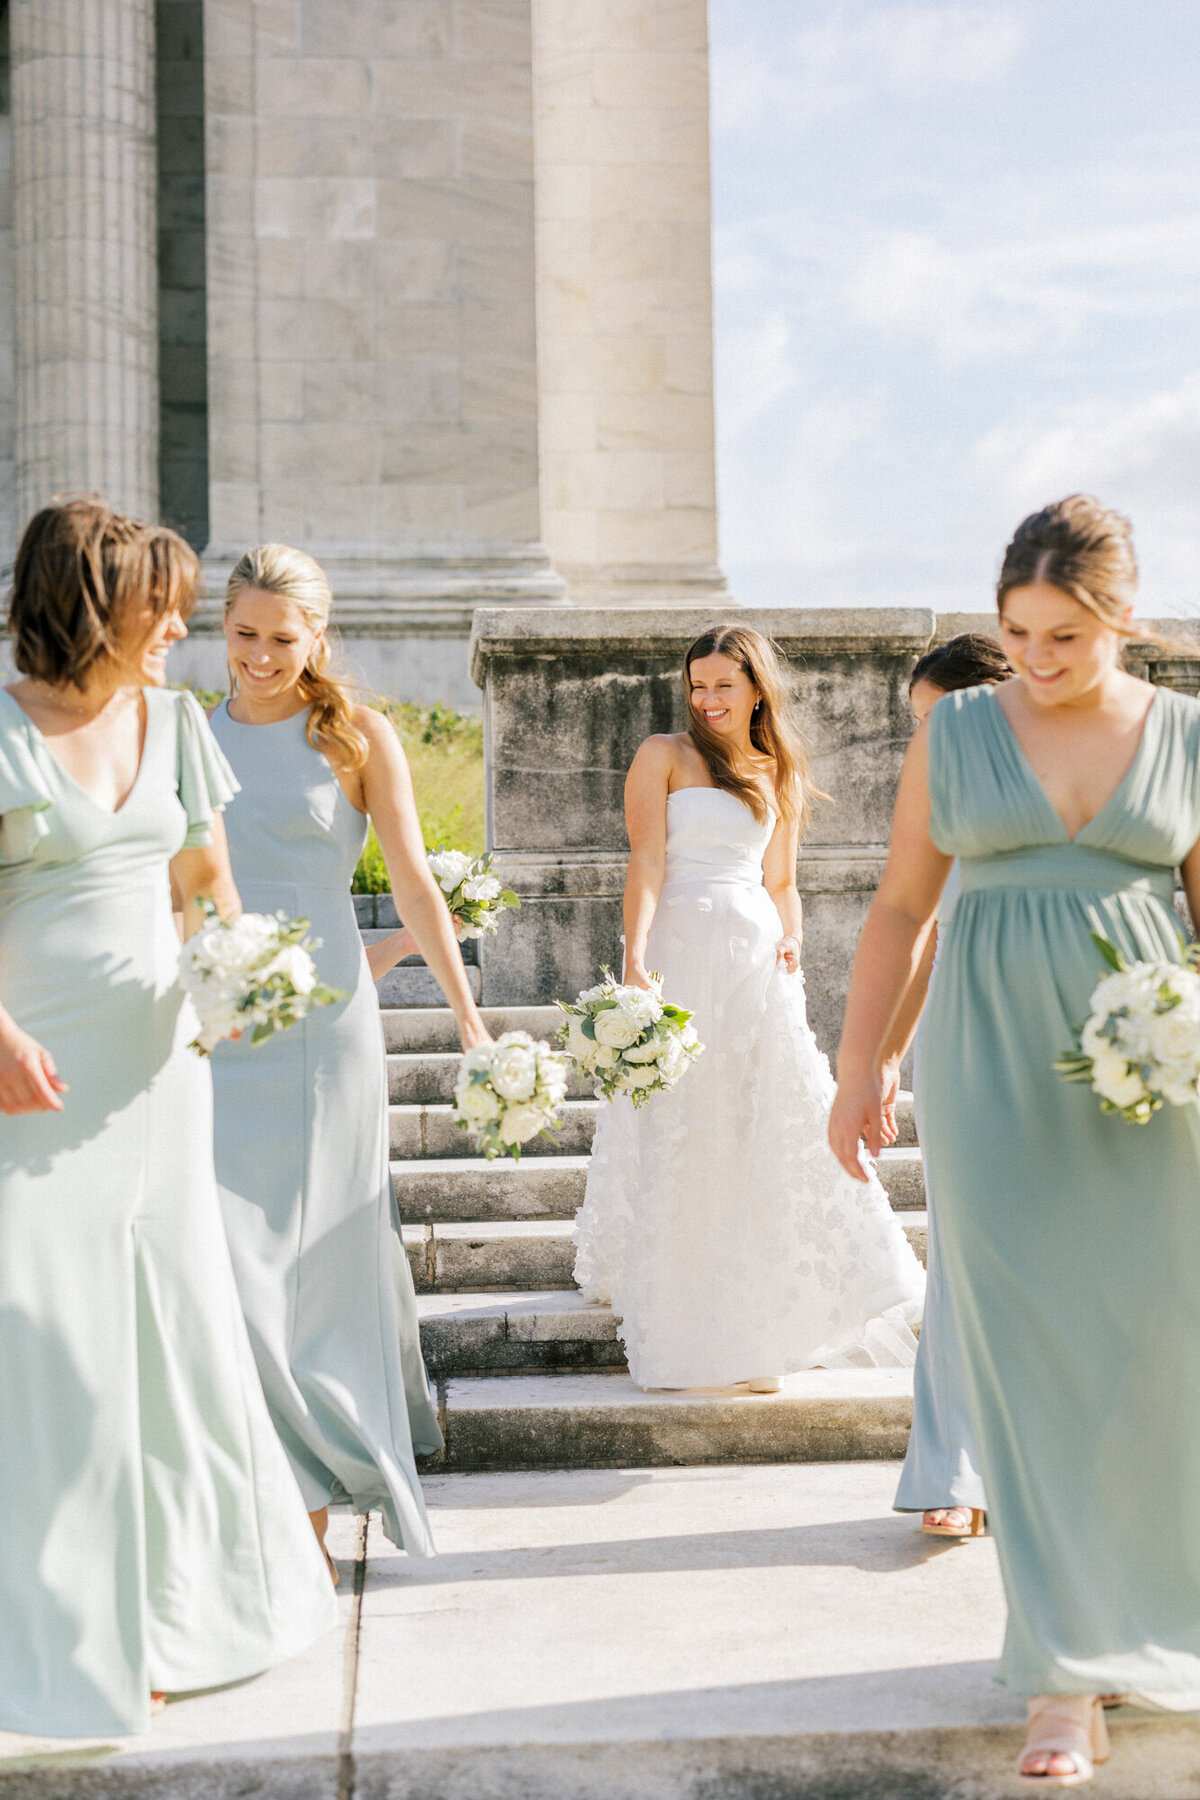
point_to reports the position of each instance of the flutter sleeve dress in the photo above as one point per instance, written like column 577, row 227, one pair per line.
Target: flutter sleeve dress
column 152, row 1534
column 302, row 1160
column 1071, row 1238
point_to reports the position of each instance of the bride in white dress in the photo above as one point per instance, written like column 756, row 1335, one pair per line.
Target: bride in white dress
column 732, row 1246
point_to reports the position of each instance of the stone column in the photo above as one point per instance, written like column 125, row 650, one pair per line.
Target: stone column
column 371, row 331
column 84, row 251
column 625, row 299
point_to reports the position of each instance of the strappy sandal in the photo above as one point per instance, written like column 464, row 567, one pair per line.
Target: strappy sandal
column 974, row 1522
column 1068, row 1725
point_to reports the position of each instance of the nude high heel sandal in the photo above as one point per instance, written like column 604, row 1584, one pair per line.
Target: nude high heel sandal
column 1065, row 1725
column 974, row 1523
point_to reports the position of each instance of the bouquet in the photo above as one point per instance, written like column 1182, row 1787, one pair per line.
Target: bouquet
column 1141, row 1043
column 629, row 1039
column 250, row 974
column 509, row 1092
column 475, row 896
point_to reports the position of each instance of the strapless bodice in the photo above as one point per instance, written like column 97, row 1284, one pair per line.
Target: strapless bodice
column 713, row 836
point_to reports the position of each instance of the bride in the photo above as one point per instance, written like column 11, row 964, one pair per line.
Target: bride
column 731, row 1245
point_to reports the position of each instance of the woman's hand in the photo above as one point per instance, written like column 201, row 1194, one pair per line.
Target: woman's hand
column 636, row 974
column 788, row 953
column 857, row 1117
column 385, row 954
column 29, row 1081
column 889, row 1082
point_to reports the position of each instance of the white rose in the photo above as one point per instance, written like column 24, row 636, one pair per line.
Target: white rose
column 449, row 867
column 466, row 933
column 478, row 1058
column 477, row 1104
column 514, row 1070
column 604, row 1059
column 643, row 1053
column 1133, row 990
column 1178, row 1084
column 615, row 1030
column 1112, row 1078
column 482, row 887
column 578, row 1046
column 520, row 1123
column 1175, row 1036
column 641, row 1075
column 641, row 1006
column 296, row 965
column 673, row 1060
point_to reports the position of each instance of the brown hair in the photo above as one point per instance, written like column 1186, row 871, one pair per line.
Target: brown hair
column 79, row 569
column 1083, row 549
column 968, row 660
column 294, row 575
column 773, row 728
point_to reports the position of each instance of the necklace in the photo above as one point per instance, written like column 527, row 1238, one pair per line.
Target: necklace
column 82, row 712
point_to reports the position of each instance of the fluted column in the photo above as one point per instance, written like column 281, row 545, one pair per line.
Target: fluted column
column 84, row 249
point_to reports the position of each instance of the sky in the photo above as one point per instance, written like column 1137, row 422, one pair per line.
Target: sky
column 957, row 275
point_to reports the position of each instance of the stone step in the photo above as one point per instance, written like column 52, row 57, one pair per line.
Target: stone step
column 419, row 1131
column 602, row 1421
column 528, row 1253
column 411, row 984
column 471, row 1334
column 469, row 1188
column 427, row 1026
column 427, row 1078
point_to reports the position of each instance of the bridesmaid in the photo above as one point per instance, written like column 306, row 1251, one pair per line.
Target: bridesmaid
column 153, row 1535
column 940, row 1477
column 1071, row 1239
column 301, row 1121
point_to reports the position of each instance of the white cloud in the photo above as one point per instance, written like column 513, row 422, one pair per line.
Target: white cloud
column 857, row 54
column 757, row 370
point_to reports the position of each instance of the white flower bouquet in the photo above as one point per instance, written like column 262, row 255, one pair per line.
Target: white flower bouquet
column 509, row 1092
column 475, row 896
column 254, row 974
column 629, row 1039
column 1140, row 1046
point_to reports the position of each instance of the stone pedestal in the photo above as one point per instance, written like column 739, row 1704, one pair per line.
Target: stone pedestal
column 569, row 696
column 84, row 251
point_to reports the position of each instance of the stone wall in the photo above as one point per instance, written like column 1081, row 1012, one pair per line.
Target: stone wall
column 568, row 697
column 8, row 392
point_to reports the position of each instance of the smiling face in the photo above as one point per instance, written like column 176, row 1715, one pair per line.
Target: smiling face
column 268, row 641
column 1060, row 650
column 723, row 695
column 143, row 646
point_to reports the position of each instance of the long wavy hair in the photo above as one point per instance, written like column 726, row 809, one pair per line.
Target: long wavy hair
column 294, row 575
column 774, row 731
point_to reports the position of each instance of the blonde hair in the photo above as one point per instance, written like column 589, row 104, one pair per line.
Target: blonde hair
column 773, row 728
column 294, row 575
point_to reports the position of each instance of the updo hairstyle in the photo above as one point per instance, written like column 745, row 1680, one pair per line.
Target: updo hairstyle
column 80, row 570
column 969, row 660
column 1083, row 549
column 294, row 575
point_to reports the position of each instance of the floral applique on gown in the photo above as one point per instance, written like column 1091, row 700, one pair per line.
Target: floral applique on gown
column 153, row 1535
column 716, row 1219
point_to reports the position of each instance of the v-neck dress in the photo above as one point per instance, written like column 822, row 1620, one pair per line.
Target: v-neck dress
column 151, row 1531
column 302, row 1160
column 1071, row 1238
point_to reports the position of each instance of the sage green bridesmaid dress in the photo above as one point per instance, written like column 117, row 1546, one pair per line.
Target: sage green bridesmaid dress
column 1071, row 1239
column 302, row 1160
column 151, row 1533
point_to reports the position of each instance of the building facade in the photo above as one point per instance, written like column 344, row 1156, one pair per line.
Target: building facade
column 422, row 286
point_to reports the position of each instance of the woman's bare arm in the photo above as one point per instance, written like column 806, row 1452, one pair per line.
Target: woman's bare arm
column 646, row 789
column 779, row 879
column 203, row 873
column 388, row 796
column 889, row 954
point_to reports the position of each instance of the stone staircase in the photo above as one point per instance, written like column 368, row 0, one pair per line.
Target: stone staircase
column 528, row 1374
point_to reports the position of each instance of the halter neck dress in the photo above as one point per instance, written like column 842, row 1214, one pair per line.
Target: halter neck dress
column 1071, row 1238
column 152, row 1533
column 303, row 1164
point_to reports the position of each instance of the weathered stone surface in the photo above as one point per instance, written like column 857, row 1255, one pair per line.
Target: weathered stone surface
column 431, row 1028
column 546, row 1187
column 432, row 1131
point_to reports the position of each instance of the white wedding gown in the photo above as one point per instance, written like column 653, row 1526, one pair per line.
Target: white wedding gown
column 717, row 1220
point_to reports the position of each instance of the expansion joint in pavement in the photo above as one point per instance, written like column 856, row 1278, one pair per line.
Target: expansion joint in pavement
column 353, row 1645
